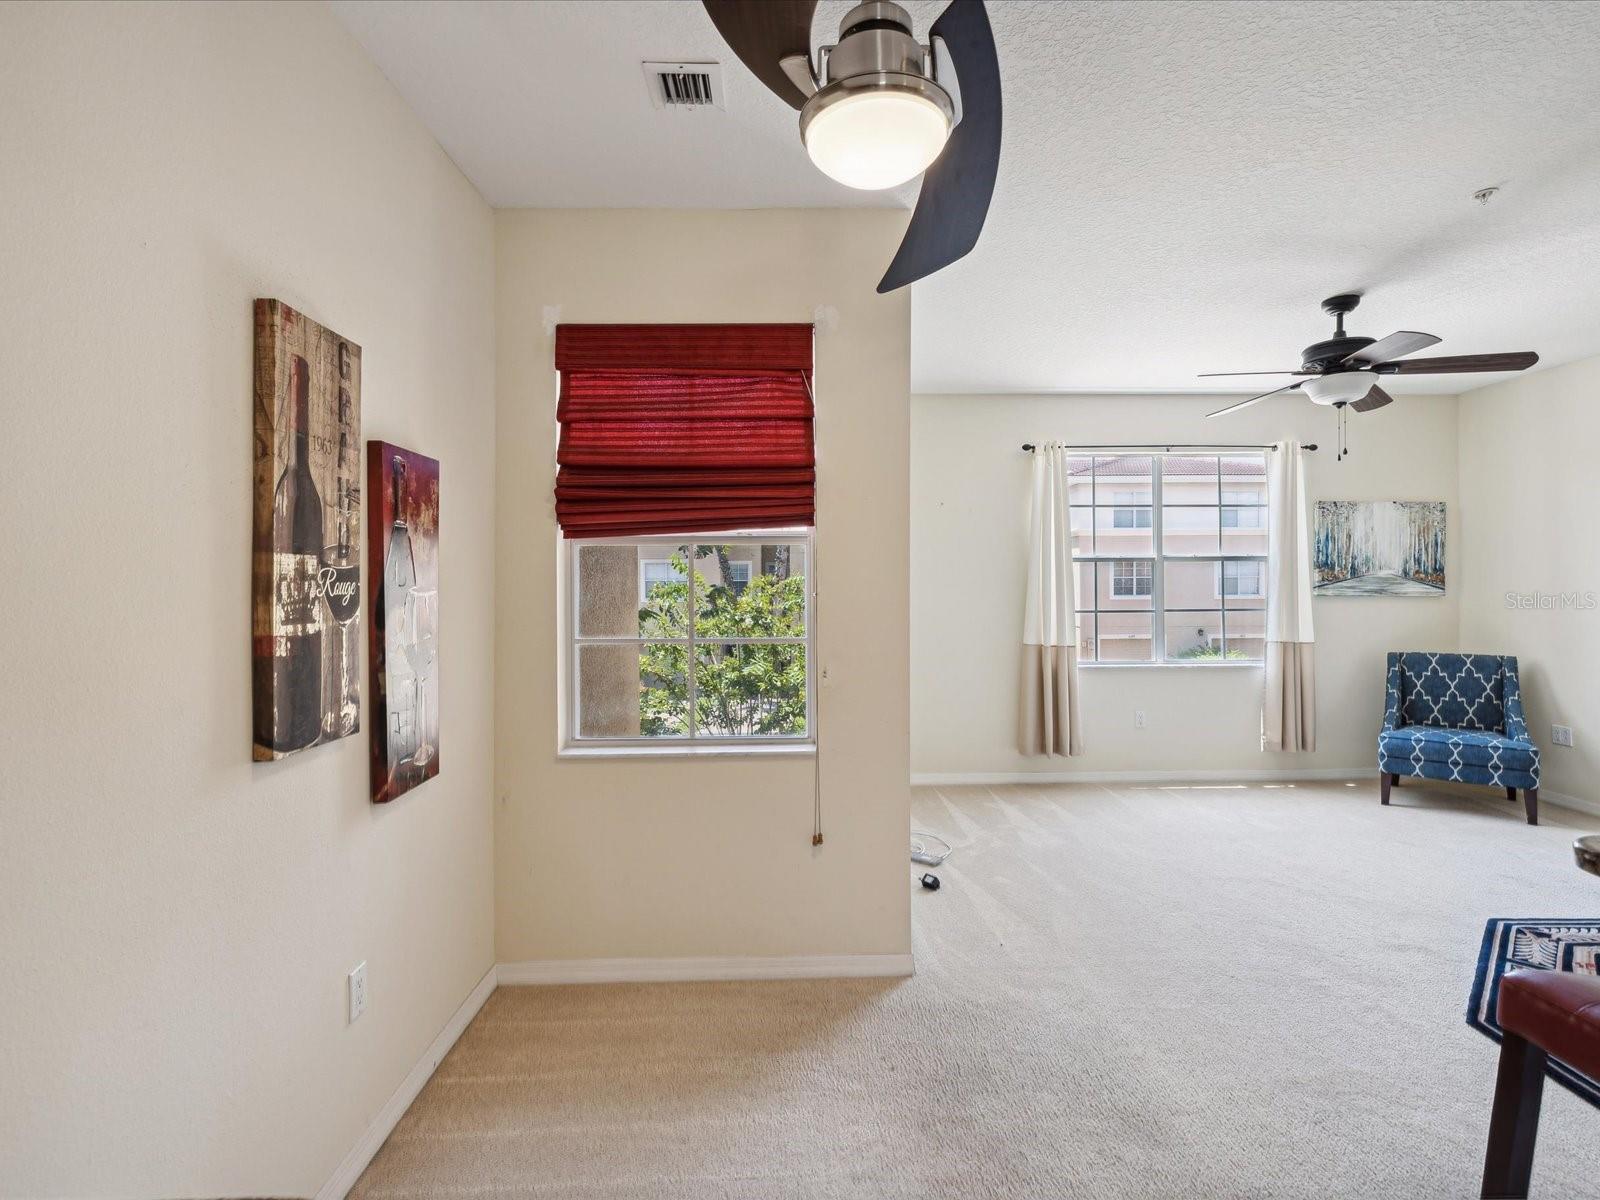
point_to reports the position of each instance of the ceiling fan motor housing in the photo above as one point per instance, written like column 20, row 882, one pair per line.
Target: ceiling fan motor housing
column 876, row 51
column 1322, row 356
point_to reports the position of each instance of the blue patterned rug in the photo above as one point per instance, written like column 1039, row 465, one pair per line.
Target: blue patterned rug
column 1533, row 943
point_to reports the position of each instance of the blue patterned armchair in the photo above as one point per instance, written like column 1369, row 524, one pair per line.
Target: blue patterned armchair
column 1458, row 717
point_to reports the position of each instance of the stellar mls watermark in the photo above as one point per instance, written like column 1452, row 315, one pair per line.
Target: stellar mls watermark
column 1545, row 601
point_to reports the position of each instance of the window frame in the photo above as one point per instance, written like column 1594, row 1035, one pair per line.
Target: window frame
column 1158, row 557
column 1134, row 580
column 574, row 744
column 644, row 583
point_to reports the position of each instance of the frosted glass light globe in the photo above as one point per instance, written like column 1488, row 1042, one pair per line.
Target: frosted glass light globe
column 877, row 139
column 1345, row 387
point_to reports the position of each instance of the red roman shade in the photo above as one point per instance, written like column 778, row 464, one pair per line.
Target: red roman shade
column 684, row 428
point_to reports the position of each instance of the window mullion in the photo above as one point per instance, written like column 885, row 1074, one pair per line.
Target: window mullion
column 1158, row 588
column 689, row 665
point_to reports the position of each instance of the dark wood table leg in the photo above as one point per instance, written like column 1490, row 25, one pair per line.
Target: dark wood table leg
column 1514, row 1122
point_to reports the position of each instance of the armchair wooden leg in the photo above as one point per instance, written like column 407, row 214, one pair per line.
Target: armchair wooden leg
column 1530, row 799
column 1394, row 778
column 1384, row 781
column 1514, row 1122
column 1511, row 794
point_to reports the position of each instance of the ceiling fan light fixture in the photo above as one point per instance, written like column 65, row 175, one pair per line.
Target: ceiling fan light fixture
column 876, row 134
column 1342, row 387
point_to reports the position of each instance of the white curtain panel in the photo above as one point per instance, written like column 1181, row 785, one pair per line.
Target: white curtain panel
column 1290, row 712
column 1049, row 691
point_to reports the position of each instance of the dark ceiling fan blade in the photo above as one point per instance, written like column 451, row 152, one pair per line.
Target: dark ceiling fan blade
column 1253, row 399
column 1376, row 398
column 762, row 32
column 956, row 190
column 1396, row 345
column 1517, row 360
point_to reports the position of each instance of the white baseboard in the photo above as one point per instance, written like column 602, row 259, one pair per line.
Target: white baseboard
column 958, row 778
column 1494, row 797
column 967, row 778
column 1576, row 803
column 389, row 1116
column 651, row 970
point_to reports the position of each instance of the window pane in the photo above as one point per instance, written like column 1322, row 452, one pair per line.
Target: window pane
column 1086, row 637
column 1123, row 531
column 750, row 691
column 1086, row 594
column 1189, row 531
column 1189, row 584
column 749, row 589
column 1244, row 478
column 1244, row 585
column 1194, row 635
column 1080, row 479
column 631, row 691
column 1126, row 584
column 1082, row 520
column 1123, row 479
column 1124, row 637
column 1244, row 530
column 1188, row 479
column 632, row 591
column 1247, row 631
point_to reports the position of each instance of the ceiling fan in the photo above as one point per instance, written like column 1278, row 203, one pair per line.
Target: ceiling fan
column 1344, row 370
column 874, row 112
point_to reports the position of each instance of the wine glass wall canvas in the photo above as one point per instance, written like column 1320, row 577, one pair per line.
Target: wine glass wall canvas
column 403, row 564
column 306, row 587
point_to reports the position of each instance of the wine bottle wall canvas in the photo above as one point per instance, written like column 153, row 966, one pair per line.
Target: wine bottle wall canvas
column 307, row 570
column 403, row 563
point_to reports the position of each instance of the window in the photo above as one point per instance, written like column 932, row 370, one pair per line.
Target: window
column 1128, row 517
column 656, row 572
column 690, row 640
column 1241, row 578
column 1243, row 509
column 1171, row 554
column 1131, row 578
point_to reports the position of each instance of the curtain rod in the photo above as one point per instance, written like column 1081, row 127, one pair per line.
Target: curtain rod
column 1029, row 446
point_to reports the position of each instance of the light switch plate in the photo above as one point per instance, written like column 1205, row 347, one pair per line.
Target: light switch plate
column 1561, row 735
column 358, row 991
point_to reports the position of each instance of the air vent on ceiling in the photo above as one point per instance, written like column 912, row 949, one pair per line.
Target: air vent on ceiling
column 685, row 85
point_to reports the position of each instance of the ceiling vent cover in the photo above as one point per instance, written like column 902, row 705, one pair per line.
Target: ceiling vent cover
column 685, row 85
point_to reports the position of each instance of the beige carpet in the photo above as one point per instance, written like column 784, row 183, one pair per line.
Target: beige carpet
column 1121, row 992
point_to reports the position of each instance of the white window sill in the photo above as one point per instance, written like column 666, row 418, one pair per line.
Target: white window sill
column 717, row 750
column 1237, row 665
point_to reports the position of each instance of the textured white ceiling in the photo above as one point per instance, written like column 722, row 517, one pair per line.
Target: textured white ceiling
column 1181, row 182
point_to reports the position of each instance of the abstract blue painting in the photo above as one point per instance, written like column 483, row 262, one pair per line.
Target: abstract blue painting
column 1379, row 548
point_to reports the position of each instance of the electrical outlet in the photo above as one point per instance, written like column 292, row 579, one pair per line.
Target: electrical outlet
column 358, row 991
column 1138, row 718
column 1561, row 735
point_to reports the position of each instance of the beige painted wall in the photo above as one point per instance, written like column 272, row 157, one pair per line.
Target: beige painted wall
column 1530, row 494
column 176, row 921
column 672, row 857
column 969, row 501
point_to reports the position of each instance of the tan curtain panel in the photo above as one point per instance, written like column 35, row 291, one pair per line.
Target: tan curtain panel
column 1289, row 714
column 1048, row 693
